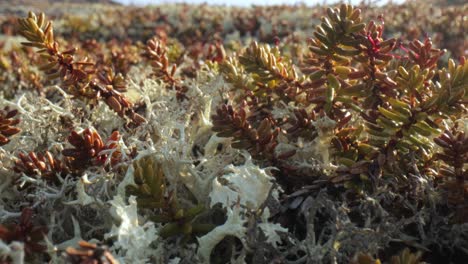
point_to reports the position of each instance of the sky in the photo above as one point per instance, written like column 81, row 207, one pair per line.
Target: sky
column 244, row 2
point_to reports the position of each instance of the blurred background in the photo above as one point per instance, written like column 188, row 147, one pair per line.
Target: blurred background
column 244, row 3
column 445, row 21
column 252, row 2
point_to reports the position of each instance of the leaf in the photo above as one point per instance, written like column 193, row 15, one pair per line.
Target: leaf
column 392, row 115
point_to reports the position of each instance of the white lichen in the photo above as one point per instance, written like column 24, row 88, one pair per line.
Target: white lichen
column 133, row 240
column 234, row 226
column 271, row 229
column 14, row 250
column 247, row 183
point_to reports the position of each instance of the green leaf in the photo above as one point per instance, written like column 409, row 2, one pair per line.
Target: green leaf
column 393, row 115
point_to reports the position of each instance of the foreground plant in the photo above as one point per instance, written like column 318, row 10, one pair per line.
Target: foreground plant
column 7, row 124
column 156, row 51
column 25, row 231
column 151, row 191
column 89, row 253
column 89, row 149
column 77, row 76
column 43, row 165
column 453, row 172
column 372, row 107
column 351, row 76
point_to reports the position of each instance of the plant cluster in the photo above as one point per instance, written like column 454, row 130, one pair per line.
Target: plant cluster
column 7, row 124
column 25, row 232
column 90, row 253
column 75, row 75
column 245, row 135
